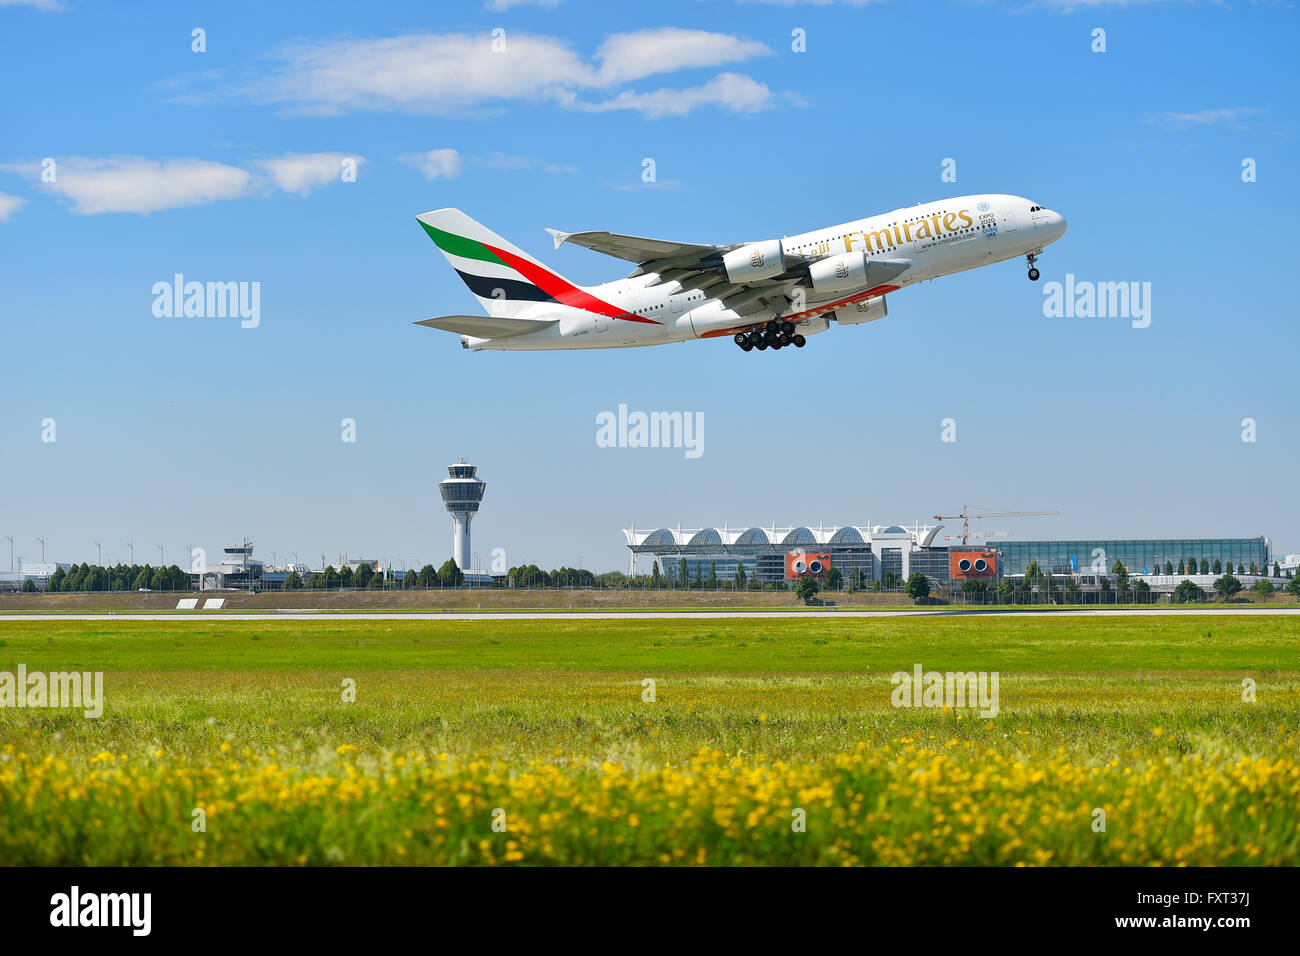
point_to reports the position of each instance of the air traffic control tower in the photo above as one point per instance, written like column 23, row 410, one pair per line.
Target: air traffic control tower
column 461, row 493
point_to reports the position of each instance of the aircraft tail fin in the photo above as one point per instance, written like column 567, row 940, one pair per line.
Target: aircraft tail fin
column 501, row 276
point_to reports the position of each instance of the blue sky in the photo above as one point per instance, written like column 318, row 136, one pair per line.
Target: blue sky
column 221, row 165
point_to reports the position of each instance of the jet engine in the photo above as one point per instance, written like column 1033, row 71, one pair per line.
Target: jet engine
column 867, row 311
column 758, row 260
column 839, row 273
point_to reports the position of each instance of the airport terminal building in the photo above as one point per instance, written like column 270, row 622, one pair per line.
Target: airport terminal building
column 766, row 552
column 1139, row 556
column 763, row 551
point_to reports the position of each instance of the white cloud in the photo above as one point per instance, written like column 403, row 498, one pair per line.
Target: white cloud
column 631, row 56
column 425, row 73
column 435, row 164
column 140, row 185
column 10, row 205
column 1231, row 114
column 303, row 172
column 501, row 5
column 136, row 184
column 454, row 73
column 733, row 91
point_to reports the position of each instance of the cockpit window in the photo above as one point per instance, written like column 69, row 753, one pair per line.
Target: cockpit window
column 1035, row 208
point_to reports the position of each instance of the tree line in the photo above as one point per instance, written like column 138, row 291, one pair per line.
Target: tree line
column 120, row 577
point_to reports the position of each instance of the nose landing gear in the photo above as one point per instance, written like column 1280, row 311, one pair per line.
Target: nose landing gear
column 1033, row 272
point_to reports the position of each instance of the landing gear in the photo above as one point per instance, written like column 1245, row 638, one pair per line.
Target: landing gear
column 1033, row 272
column 776, row 334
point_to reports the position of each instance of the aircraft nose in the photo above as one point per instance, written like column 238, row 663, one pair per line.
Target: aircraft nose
column 1059, row 225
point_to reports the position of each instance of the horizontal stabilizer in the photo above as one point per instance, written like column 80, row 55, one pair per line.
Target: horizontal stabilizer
column 486, row 326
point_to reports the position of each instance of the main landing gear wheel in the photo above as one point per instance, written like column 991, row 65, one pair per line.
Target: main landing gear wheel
column 799, row 341
column 1033, row 275
column 1033, row 272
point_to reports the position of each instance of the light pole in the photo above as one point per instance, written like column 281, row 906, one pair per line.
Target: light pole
column 131, row 545
column 42, row 541
column 11, row 551
column 162, row 557
column 100, row 546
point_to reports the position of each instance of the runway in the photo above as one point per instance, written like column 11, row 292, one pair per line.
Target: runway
column 811, row 614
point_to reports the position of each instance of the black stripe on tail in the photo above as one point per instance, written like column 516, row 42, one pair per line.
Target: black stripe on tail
column 513, row 289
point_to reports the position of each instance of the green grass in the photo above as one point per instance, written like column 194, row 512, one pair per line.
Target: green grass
column 770, row 646
column 237, row 715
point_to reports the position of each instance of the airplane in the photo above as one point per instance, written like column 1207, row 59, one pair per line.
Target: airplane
column 768, row 294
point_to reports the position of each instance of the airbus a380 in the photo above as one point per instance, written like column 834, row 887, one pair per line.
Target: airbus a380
column 767, row 294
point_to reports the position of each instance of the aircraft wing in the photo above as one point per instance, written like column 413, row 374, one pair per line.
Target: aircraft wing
column 485, row 326
column 638, row 249
column 692, row 264
column 699, row 266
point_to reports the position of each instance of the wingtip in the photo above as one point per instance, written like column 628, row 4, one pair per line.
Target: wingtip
column 558, row 237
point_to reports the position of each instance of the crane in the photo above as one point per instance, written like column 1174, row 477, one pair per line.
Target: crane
column 965, row 517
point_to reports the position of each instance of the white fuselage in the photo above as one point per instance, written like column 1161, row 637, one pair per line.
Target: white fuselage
column 932, row 239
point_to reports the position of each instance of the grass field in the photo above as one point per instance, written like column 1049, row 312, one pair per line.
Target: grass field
column 769, row 741
column 493, row 599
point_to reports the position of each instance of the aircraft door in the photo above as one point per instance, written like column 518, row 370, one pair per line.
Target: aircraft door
column 1007, row 218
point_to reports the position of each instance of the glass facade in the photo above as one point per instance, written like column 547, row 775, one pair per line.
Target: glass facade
column 891, row 559
column 932, row 562
column 763, row 562
column 462, row 491
column 1138, row 556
